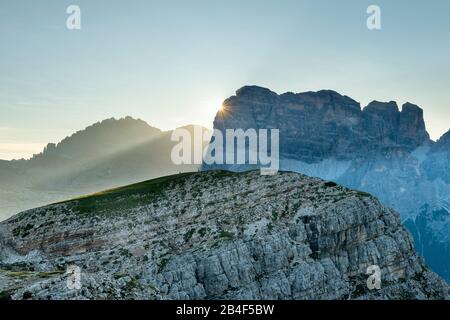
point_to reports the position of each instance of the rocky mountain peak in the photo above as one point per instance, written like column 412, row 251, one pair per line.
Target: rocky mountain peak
column 216, row 235
column 324, row 124
column 412, row 108
column 444, row 142
column 412, row 130
column 255, row 93
column 103, row 137
column 382, row 107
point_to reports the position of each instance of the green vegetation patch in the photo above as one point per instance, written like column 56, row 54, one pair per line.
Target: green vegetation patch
column 50, row 273
column 188, row 235
column 363, row 194
column 202, row 232
column 274, row 215
column 163, row 263
column 5, row 295
column 330, row 184
column 126, row 197
column 28, row 274
column 226, row 234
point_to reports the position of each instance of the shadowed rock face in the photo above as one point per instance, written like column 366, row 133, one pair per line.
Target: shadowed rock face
column 215, row 235
column 378, row 149
column 317, row 125
column 443, row 144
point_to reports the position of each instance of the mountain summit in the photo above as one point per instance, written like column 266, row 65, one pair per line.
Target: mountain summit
column 100, row 139
column 317, row 125
column 379, row 149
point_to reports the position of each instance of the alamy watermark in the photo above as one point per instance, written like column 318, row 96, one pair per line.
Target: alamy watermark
column 237, row 147
column 73, row 277
column 374, row 280
column 374, row 19
column 73, row 22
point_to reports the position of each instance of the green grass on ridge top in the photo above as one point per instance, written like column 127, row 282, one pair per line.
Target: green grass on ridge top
column 129, row 196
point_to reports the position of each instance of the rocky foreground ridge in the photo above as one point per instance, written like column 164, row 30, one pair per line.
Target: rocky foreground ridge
column 214, row 235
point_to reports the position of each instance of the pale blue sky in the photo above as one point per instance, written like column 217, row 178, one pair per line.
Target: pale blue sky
column 173, row 62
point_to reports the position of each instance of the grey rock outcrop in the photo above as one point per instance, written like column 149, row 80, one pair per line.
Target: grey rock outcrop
column 217, row 235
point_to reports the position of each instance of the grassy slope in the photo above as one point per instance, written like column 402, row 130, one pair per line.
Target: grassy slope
column 130, row 196
column 125, row 197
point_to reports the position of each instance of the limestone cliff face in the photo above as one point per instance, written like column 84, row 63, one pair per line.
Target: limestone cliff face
column 378, row 149
column 318, row 125
column 215, row 235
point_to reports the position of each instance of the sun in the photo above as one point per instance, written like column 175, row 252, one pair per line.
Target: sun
column 209, row 108
column 217, row 104
column 214, row 105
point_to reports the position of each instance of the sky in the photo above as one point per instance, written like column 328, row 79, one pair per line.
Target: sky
column 172, row 63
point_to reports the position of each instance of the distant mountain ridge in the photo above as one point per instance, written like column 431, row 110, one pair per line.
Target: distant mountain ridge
column 108, row 154
column 102, row 137
column 378, row 149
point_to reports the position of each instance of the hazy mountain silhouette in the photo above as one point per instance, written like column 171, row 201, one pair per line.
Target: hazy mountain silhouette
column 107, row 154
